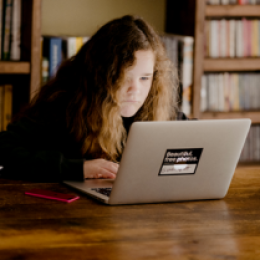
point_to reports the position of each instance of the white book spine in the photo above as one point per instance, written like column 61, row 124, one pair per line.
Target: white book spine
column 16, row 31
column 239, row 39
column 203, row 93
column 72, row 47
column 221, row 92
column 232, row 38
column 215, row 39
column 222, row 40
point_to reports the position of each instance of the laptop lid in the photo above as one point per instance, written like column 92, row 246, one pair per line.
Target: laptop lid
column 176, row 161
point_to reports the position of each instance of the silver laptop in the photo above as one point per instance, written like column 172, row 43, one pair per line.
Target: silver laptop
column 173, row 161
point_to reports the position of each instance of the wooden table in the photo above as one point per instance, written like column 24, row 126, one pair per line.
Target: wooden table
column 33, row 228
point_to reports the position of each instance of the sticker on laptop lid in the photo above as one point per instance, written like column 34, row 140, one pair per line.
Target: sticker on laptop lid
column 180, row 161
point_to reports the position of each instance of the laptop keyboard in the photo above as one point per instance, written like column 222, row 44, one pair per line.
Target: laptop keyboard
column 104, row 191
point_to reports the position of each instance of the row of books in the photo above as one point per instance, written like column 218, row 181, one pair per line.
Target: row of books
column 57, row 49
column 10, row 29
column 251, row 149
column 180, row 51
column 232, row 38
column 230, row 92
column 233, row 2
column 6, row 97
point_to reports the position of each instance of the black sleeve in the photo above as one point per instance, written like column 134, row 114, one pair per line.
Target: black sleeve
column 29, row 152
column 182, row 116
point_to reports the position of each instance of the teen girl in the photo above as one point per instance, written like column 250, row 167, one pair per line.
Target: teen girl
column 76, row 127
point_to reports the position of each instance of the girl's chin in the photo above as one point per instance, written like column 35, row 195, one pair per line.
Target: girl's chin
column 128, row 112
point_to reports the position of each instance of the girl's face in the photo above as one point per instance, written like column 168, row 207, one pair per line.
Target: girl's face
column 136, row 84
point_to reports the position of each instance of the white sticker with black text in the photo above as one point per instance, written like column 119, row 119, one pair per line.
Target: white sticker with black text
column 180, row 161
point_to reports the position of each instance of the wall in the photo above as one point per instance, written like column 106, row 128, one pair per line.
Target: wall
column 84, row 17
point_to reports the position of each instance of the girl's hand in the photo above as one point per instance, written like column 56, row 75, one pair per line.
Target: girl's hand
column 100, row 168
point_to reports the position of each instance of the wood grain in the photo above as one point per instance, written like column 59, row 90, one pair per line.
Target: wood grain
column 33, row 228
column 232, row 11
column 231, row 64
column 253, row 115
column 12, row 67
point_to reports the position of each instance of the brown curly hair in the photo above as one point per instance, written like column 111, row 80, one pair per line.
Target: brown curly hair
column 85, row 86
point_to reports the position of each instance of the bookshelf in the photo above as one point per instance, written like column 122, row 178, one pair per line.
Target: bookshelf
column 24, row 75
column 188, row 18
column 204, row 64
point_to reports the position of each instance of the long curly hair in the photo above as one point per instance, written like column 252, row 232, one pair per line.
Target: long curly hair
column 83, row 92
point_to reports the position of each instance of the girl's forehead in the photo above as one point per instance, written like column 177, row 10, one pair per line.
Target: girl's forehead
column 144, row 61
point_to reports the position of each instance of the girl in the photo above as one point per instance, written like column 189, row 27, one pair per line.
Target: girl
column 76, row 127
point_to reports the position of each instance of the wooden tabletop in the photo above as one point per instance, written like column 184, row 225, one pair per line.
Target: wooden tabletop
column 33, row 228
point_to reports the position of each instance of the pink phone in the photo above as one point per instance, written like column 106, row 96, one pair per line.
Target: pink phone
column 46, row 194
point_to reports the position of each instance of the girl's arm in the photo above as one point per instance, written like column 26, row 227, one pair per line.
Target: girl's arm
column 29, row 151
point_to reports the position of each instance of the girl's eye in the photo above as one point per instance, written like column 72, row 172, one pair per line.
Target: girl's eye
column 144, row 78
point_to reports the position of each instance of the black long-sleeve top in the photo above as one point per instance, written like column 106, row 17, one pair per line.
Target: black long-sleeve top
column 39, row 152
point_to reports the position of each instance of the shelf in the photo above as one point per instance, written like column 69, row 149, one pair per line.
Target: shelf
column 231, row 64
column 253, row 115
column 12, row 67
column 232, row 10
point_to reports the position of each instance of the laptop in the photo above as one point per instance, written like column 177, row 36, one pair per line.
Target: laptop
column 173, row 161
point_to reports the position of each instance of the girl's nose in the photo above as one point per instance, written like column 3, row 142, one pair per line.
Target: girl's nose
column 133, row 87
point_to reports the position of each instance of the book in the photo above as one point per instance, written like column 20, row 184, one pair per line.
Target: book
column 1, row 18
column 231, row 30
column 71, row 45
column 45, row 71
column 171, row 45
column 52, row 49
column 7, row 107
column 186, row 70
column 6, row 30
column 16, row 31
column 222, row 38
column 1, row 106
column 79, row 43
column 179, row 50
column 203, row 94
column 214, row 39
column 239, row 39
column 254, row 39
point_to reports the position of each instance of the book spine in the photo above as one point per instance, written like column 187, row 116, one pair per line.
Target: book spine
column 232, row 38
column 187, row 76
column 79, row 43
column 16, row 31
column 7, row 25
column 203, row 93
column 8, row 102
column 222, row 38
column 1, row 26
column 45, row 70
column 239, row 38
column 55, row 55
column 71, row 47
column 1, row 107
column 254, row 38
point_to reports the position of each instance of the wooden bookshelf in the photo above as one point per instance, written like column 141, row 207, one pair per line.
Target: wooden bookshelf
column 10, row 67
column 231, row 64
column 232, row 11
column 253, row 115
column 187, row 17
column 204, row 64
column 24, row 75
